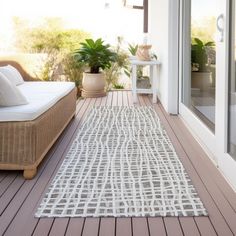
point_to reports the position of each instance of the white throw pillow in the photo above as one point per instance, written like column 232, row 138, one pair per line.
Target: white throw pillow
column 12, row 74
column 10, row 95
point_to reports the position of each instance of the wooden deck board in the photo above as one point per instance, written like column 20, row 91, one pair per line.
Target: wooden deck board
column 205, row 226
column 189, row 226
column 215, row 215
column 219, row 208
column 3, row 175
column 123, row 227
column 75, row 227
column 43, row 227
column 91, row 227
column 19, row 198
column 156, row 226
column 140, row 226
column 173, row 227
column 107, row 227
column 9, row 194
column 6, row 183
column 59, row 227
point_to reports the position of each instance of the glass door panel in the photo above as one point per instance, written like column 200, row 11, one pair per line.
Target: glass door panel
column 199, row 81
column 208, row 78
column 232, row 88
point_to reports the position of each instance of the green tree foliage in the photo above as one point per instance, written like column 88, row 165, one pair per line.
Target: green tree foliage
column 48, row 36
column 204, row 29
column 43, row 40
column 55, row 43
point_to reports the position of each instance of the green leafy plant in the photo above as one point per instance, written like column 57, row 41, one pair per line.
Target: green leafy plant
column 118, row 86
column 73, row 70
column 120, row 65
column 199, row 55
column 133, row 49
column 95, row 54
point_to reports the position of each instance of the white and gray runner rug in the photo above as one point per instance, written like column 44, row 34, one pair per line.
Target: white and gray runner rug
column 121, row 163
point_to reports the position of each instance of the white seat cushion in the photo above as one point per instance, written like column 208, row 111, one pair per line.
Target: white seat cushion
column 41, row 97
column 12, row 74
column 10, row 95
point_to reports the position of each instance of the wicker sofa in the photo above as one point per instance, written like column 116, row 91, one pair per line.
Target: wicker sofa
column 23, row 144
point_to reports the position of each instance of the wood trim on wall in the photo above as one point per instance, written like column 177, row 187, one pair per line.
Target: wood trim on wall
column 145, row 16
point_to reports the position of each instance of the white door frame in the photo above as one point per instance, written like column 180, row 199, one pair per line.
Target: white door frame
column 214, row 144
column 226, row 163
column 173, row 55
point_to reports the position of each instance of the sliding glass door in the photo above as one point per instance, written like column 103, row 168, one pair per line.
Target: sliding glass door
column 208, row 78
column 200, row 67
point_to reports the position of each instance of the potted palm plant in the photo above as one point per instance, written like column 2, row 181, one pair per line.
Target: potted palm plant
column 97, row 56
column 201, row 73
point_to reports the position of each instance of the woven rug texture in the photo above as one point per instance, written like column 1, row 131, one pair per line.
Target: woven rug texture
column 121, row 164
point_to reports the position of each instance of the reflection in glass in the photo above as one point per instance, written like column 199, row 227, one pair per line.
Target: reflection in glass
column 199, row 84
column 232, row 93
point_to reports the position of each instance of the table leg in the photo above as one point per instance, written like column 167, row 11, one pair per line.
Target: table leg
column 134, row 83
column 154, row 84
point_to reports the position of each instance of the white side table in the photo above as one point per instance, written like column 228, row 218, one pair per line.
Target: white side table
column 153, row 65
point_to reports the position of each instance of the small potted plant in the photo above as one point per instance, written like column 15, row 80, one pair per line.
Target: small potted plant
column 201, row 74
column 97, row 56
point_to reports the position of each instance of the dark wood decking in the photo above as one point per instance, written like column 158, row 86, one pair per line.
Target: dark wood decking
column 19, row 198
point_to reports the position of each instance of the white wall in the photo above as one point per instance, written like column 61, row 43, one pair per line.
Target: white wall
column 163, row 35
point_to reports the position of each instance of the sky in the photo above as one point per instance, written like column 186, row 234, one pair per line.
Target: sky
column 102, row 18
column 50, row 7
column 202, row 8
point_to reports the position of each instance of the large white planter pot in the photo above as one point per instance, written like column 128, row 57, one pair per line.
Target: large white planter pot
column 201, row 80
column 93, row 85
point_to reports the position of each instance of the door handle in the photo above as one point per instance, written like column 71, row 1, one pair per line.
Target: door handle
column 220, row 27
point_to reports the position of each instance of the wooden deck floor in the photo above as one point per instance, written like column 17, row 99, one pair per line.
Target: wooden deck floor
column 19, row 198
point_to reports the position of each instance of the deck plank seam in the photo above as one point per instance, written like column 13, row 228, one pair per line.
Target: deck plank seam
column 50, row 230
column 12, row 198
column 132, row 226
column 181, row 227
column 149, row 233
column 9, row 184
column 67, row 225
column 3, row 177
column 115, row 227
column 99, row 226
